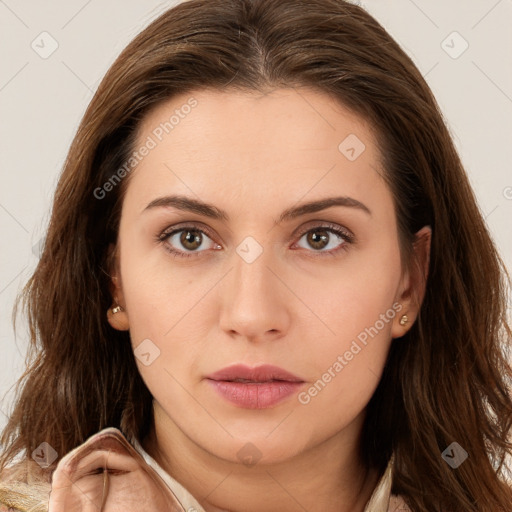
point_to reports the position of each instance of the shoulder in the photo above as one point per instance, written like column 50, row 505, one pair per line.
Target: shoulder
column 24, row 487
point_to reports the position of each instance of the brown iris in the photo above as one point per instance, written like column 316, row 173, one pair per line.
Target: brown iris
column 192, row 237
column 314, row 240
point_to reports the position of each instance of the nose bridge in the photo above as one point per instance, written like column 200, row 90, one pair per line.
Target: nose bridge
column 252, row 301
column 251, row 273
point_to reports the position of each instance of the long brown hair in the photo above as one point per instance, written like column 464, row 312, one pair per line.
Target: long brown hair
column 446, row 380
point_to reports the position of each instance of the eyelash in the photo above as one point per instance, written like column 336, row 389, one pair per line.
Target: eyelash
column 345, row 235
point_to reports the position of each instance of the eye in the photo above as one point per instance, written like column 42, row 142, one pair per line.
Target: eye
column 188, row 241
column 327, row 239
column 185, row 241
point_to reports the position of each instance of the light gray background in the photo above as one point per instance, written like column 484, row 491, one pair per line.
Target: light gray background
column 43, row 99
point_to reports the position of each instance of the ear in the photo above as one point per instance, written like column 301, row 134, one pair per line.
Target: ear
column 412, row 290
column 118, row 320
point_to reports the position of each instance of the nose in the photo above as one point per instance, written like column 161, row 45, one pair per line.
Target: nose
column 255, row 301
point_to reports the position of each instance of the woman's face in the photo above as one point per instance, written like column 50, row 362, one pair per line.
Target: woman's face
column 241, row 271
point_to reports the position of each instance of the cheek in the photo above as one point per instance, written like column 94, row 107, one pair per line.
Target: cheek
column 346, row 369
column 357, row 306
column 167, row 309
column 156, row 292
column 352, row 298
column 358, row 348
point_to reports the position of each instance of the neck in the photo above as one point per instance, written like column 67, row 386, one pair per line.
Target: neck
column 329, row 477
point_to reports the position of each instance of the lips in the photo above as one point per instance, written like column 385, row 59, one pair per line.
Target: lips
column 263, row 373
column 254, row 388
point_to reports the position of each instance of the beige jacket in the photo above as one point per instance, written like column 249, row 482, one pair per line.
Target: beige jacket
column 79, row 486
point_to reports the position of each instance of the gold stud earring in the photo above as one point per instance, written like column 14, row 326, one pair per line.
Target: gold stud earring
column 403, row 320
column 117, row 309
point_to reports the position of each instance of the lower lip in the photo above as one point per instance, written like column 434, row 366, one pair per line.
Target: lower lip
column 259, row 395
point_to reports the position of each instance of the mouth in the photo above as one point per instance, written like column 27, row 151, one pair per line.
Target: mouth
column 259, row 374
column 249, row 381
column 261, row 387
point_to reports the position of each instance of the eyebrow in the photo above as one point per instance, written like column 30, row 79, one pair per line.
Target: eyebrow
column 189, row 204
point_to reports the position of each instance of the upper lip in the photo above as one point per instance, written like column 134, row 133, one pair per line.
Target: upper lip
column 262, row 373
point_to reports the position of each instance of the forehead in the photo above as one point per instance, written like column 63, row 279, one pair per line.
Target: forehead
column 311, row 118
column 254, row 145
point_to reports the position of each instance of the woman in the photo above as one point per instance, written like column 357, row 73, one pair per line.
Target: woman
column 266, row 284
